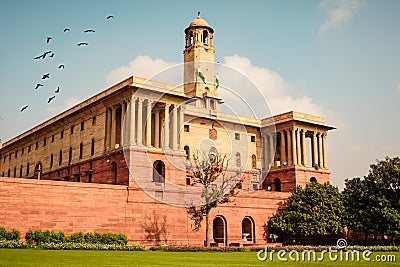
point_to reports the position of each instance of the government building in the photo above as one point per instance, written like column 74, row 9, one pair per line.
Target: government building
column 120, row 161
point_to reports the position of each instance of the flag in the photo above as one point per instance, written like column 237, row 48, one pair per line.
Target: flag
column 216, row 81
column 201, row 75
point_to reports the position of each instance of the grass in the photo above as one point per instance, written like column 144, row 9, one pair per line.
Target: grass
column 39, row 257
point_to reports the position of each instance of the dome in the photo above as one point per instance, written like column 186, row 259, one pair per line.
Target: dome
column 198, row 22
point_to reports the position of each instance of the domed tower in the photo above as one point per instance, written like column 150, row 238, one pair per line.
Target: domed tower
column 199, row 76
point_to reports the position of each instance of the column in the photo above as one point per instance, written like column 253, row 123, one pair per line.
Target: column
column 157, row 128
column 283, row 148
column 289, row 148
column 299, row 161
column 175, row 128
column 294, row 151
column 304, row 147
column 108, row 129
column 320, row 158
column 113, row 126
column 166, row 126
column 324, row 150
column 263, row 151
column 140, row 123
column 315, row 150
column 148, row 123
column 181, row 126
column 132, row 121
column 271, row 150
column 123, row 128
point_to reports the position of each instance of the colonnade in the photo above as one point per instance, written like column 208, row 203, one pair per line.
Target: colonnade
column 143, row 122
column 288, row 147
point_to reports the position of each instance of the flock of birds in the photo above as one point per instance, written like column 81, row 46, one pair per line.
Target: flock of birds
column 50, row 54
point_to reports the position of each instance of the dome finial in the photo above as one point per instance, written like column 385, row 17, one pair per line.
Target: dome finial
column 198, row 15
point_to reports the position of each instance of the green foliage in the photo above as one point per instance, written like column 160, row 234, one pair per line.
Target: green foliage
column 75, row 237
column 311, row 211
column 30, row 236
column 14, row 234
column 106, row 238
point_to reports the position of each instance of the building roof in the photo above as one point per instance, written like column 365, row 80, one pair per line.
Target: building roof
column 199, row 22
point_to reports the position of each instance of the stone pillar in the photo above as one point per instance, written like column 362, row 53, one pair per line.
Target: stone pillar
column 271, row 150
column 148, row 123
column 157, row 128
column 139, row 138
column 132, row 121
column 123, row 128
column 320, row 158
column 166, row 126
column 263, row 151
column 113, row 126
column 299, row 161
column 324, row 150
column 304, row 147
column 108, row 129
column 289, row 148
column 315, row 149
column 294, row 150
column 181, row 126
column 175, row 128
column 283, row 148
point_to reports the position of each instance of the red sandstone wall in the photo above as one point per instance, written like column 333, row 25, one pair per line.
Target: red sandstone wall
column 55, row 205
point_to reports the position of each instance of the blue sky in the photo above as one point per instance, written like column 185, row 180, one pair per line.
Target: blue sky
column 339, row 59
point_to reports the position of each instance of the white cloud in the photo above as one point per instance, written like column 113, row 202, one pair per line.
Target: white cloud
column 339, row 12
column 68, row 103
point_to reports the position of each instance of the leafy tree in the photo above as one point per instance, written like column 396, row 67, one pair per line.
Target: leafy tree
column 210, row 172
column 314, row 210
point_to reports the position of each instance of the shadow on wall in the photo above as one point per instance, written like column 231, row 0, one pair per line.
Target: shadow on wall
column 155, row 228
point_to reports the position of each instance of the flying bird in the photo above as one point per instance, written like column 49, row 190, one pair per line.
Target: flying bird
column 22, row 109
column 52, row 55
column 57, row 91
column 48, row 39
column 66, row 30
column 38, row 85
column 42, row 56
column 61, row 66
column 89, row 31
column 51, row 98
column 46, row 76
column 82, row 44
column 110, row 17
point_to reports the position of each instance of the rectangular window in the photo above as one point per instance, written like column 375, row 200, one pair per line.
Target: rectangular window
column 37, row 145
column 92, row 148
column 29, row 148
column 16, row 154
column 80, row 151
column 186, row 128
column 253, row 138
column 51, row 161
column 62, row 135
column 237, row 136
column 20, row 171
column 89, row 178
column 72, row 130
column 60, row 158
column 52, row 138
column 22, row 151
column 94, row 120
column 27, row 169
column 70, row 156
column 82, row 125
column 44, row 142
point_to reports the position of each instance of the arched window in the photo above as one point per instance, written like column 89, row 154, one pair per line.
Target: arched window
column 313, row 180
column 158, row 171
column 238, row 160
column 205, row 37
column 220, row 230
column 248, row 229
column 114, row 172
column 253, row 161
column 277, row 183
column 191, row 38
column 187, row 151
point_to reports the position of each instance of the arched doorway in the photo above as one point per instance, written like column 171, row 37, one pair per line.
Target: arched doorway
column 158, row 171
column 220, row 230
column 248, row 229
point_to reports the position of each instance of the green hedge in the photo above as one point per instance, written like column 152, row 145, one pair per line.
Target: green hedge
column 14, row 234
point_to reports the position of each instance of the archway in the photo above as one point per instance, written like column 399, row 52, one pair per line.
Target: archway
column 248, row 229
column 158, row 171
column 220, row 230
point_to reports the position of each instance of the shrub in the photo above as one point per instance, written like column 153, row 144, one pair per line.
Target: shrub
column 30, row 236
column 76, row 237
column 14, row 234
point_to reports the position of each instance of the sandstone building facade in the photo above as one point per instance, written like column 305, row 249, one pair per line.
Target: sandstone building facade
column 118, row 161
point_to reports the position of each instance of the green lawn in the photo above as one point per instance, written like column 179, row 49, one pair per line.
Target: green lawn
column 37, row 257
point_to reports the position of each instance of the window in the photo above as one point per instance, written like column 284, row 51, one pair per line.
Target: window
column 44, row 142
column 81, row 151
column 238, row 160
column 70, row 156
column 82, row 125
column 52, row 138
column 253, row 161
column 15, row 172
column 72, row 130
column 205, row 37
column 62, row 135
column 158, row 171
column 186, row 128
column 253, row 138
column 78, row 179
column 94, row 120
column 51, row 161
column 237, row 136
column 36, row 145
column 248, row 229
column 27, row 169
column 89, row 178
column 313, row 180
column 29, row 148
column 277, row 183
column 9, row 173
column 187, row 152
column 16, row 154
column 114, row 172
column 60, row 158
column 92, row 148
column 22, row 151
column 20, row 171
column 188, row 181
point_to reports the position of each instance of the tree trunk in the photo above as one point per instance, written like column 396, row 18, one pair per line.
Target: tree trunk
column 207, row 230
